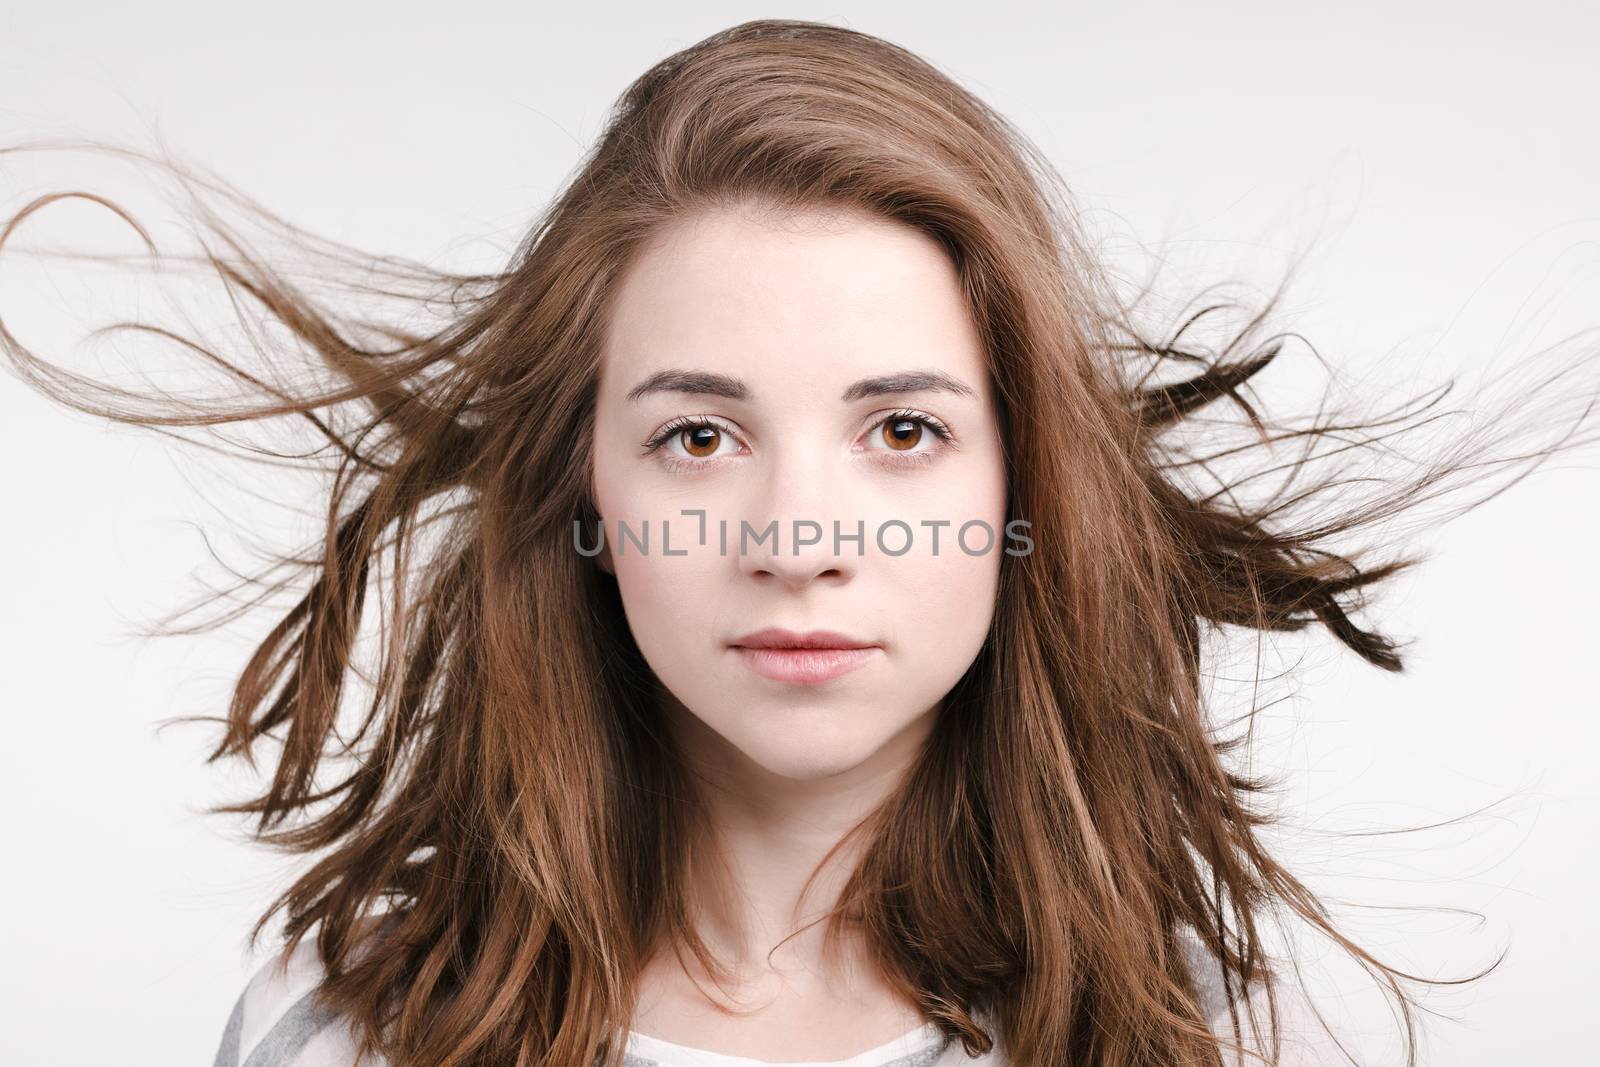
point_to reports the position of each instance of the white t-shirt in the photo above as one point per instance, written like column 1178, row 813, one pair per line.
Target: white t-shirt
column 275, row 1023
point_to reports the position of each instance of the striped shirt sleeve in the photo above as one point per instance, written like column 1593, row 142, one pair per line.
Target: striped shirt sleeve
column 277, row 1022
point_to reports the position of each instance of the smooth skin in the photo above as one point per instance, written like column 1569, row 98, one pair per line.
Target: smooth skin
column 796, row 308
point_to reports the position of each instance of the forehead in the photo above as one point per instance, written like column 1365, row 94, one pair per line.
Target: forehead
column 774, row 296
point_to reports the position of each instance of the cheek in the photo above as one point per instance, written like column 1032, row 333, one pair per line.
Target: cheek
column 672, row 604
column 948, row 599
column 654, row 595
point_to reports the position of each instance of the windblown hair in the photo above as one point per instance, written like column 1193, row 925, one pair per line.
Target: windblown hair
column 503, row 838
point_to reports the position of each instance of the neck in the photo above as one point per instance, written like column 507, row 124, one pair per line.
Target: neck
column 764, row 836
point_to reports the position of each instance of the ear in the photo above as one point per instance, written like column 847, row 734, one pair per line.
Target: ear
column 603, row 560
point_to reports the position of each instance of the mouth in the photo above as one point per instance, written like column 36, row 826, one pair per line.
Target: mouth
column 805, row 658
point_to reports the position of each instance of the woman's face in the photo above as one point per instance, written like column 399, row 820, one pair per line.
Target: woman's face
column 799, row 372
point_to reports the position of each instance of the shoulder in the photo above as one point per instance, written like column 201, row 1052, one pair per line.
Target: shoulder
column 1208, row 980
column 278, row 1022
column 1303, row 1037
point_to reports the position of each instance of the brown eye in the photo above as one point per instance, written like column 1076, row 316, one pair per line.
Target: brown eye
column 700, row 438
column 902, row 434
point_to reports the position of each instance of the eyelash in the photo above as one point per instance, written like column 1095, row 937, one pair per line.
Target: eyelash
column 694, row 422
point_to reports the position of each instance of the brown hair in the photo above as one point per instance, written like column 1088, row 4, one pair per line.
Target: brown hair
column 1074, row 813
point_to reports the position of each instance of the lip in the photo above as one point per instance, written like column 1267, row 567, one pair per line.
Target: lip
column 807, row 658
column 777, row 637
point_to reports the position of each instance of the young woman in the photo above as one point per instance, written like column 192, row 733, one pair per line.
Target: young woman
column 792, row 592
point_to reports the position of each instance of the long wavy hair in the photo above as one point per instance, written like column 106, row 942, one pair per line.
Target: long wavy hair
column 499, row 821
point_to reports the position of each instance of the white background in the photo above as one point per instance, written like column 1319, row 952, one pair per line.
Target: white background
column 1441, row 158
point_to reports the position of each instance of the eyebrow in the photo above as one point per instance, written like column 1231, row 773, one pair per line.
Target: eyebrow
column 707, row 383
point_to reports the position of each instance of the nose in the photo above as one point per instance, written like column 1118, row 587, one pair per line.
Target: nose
column 794, row 564
column 804, row 505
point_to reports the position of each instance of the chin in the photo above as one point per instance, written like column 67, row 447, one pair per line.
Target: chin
column 808, row 766
column 812, row 751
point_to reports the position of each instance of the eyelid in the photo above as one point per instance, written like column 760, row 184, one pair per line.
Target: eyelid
column 937, row 425
column 679, row 423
